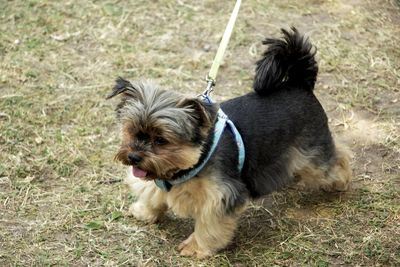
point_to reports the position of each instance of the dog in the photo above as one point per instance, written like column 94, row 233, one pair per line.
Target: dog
column 282, row 125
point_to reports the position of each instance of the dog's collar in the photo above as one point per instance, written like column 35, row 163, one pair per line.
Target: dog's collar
column 221, row 124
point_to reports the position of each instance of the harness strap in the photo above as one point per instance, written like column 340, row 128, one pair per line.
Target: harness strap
column 222, row 122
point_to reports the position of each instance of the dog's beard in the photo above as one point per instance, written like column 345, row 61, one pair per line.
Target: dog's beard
column 163, row 165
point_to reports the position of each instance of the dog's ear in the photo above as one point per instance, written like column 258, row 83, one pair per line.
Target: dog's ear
column 204, row 113
column 126, row 90
column 121, row 86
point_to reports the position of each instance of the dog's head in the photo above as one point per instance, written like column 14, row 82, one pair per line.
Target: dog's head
column 162, row 132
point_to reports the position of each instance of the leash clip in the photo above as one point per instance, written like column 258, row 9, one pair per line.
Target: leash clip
column 206, row 95
column 210, row 86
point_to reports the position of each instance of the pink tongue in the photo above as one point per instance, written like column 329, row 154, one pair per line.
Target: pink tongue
column 138, row 172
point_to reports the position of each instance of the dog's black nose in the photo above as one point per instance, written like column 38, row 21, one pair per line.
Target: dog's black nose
column 134, row 158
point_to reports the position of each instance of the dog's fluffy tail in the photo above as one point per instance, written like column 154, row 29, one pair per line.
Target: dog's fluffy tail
column 287, row 61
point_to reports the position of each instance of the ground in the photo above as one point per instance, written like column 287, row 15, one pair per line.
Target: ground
column 60, row 199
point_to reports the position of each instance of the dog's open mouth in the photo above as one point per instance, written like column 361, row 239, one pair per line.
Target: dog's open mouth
column 146, row 175
column 139, row 173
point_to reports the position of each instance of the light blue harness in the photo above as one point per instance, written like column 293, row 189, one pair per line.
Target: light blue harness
column 221, row 124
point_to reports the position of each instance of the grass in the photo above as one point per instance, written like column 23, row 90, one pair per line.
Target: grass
column 59, row 202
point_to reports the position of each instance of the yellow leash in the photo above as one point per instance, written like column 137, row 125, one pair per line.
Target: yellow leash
column 222, row 121
column 212, row 75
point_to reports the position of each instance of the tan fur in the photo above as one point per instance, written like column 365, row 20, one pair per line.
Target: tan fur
column 162, row 161
column 150, row 205
column 182, row 156
column 340, row 173
column 200, row 199
column 334, row 177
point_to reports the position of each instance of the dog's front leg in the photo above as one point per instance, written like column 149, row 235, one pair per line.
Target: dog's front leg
column 212, row 233
column 151, row 204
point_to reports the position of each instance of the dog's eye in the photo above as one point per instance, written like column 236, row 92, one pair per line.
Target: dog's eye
column 142, row 136
column 160, row 141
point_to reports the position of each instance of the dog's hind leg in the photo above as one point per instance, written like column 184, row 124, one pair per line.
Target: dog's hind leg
column 339, row 174
column 334, row 174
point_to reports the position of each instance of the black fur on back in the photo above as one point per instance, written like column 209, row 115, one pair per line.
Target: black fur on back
column 288, row 61
column 283, row 115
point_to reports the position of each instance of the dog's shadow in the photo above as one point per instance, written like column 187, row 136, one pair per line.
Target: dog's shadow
column 268, row 222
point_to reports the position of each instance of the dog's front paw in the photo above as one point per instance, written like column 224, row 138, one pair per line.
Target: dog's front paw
column 143, row 213
column 189, row 247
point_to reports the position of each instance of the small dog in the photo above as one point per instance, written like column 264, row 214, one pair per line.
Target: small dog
column 283, row 126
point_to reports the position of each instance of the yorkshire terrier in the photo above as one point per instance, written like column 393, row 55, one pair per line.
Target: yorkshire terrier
column 285, row 133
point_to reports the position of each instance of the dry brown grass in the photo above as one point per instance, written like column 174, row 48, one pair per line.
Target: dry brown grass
column 58, row 136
